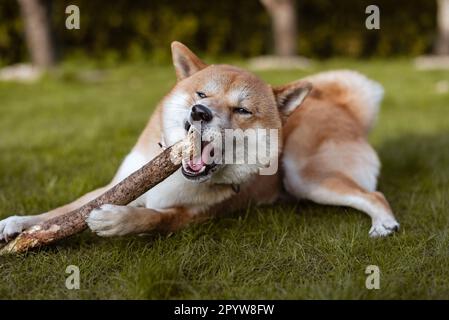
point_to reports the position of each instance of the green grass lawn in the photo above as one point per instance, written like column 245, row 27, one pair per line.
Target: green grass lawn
column 64, row 136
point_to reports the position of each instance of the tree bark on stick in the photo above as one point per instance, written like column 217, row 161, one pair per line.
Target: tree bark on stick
column 123, row 193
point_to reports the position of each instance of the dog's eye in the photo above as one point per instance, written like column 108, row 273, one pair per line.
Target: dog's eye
column 200, row 94
column 240, row 110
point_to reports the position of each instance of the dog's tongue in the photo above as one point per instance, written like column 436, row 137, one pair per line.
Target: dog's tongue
column 198, row 163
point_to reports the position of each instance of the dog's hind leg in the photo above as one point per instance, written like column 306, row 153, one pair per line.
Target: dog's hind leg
column 339, row 188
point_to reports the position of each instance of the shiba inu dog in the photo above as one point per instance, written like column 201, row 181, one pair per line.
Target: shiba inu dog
column 323, row 152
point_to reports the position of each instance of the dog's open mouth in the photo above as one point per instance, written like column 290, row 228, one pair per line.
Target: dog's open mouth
column 200, row 167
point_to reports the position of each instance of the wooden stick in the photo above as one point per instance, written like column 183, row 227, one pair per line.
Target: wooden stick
column 123, row 193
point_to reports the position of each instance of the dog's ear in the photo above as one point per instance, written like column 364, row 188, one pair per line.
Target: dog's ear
column 290, row 96
column 185, row 61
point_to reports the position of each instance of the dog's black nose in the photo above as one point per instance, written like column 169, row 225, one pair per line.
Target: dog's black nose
column 201, row 113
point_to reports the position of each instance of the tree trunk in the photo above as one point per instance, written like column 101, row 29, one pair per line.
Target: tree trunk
column 284, row 24
column 36, row 17
column 442, row 45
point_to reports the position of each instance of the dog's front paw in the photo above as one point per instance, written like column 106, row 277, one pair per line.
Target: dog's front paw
column 109, row 220
column 13, row 225
column 383, row 227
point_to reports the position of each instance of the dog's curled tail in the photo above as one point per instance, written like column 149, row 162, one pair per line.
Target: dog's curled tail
column 353, row 90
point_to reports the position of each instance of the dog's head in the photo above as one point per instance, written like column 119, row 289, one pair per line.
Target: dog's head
column 222, row 97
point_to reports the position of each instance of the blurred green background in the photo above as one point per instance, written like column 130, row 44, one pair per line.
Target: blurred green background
column 136, row 30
